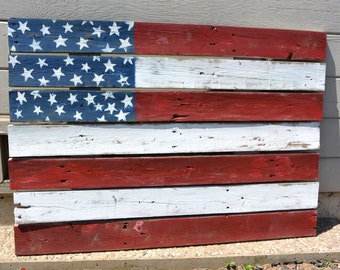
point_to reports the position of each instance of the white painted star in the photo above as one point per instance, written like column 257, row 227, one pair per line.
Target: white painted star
column 90, row 99
column 130, row 24
column 84, row 22
column 52, row 99
column 13, row 60
column 27, row 74
column 111, row 107
column 13, row 49
column 23, row 27
column 72, row 98
column 98, row 79
column 127, row 101
column 58, row 73
column 107, row 49
column 37, row 110
column 128, row 60
column 42, row 62
column 99, row 107
column 60, row 41
column 101, row 119
column 36, row 94
column 21, row 98
column 18, row 114
column 82, row 43
column 78, row 116
column 68, row 61
column 96, row 58
column 76, row 79
column 35, row 45
column 109, row 66
column 43, row 81
column 47, row 119
column 68, row 27
column 124, row 44
column 97, row 31
column 108, row 94
column 10, row 31
column 85, row 67
column 123, row 80
column 45, row 30
column 121, row 116
column 114, row 29
column 60, row 110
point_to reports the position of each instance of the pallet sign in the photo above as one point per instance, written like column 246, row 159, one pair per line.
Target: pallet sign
column 203, row 134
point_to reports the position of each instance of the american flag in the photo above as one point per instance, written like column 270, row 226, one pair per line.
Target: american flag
column 74, row 106
column 75, row 35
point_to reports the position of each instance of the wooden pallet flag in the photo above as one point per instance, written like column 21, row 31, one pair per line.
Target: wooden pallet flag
column 191, row 135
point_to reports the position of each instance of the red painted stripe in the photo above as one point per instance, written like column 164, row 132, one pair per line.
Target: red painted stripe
column 167, row 232
column 227, row 106
column 184, row 39
column 80, row 173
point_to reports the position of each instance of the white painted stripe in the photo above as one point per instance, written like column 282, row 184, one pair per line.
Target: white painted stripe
column 55, row 206
column 217, row 73
column 64, row 140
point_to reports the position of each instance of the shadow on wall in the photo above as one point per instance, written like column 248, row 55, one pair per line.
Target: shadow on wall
column 329, row 170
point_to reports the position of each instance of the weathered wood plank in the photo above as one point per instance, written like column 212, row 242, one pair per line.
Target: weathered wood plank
column 159, row 106
column 185, row 39
column 166, row 232
column 80, row 205
column 164, row 72
column 77, row 173
column 116, row 139
column 27, row 35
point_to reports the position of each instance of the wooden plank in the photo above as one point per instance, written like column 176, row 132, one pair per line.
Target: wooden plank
column 117, row 139
column 158, row 106
column 305, row 14
column 185, row 39
column 166, row 232
column 77, row 173
column 4, row 122
column 161, row 38
column 81, row 205
column 165, row 72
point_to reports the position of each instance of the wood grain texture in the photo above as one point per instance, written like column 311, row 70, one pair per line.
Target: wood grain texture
column 185, row 39
column 81, row 205
column 166, row 72
column 228, row 74
column 118, row 139
column 156, row 106
column 77, row 173
column 166, row 232
column 310, row 15
column 224, row 106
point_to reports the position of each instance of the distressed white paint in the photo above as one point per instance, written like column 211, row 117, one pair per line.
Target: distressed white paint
column 55, row 206
column 217, row 73
column 64, row 140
